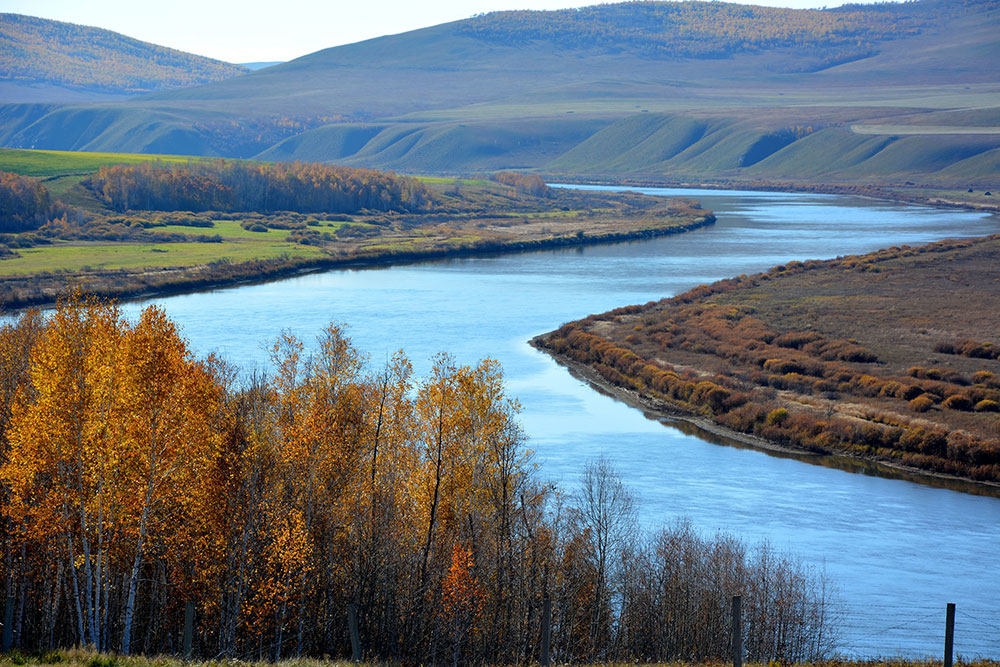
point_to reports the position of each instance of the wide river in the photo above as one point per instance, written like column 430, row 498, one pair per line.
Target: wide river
column 896, row 550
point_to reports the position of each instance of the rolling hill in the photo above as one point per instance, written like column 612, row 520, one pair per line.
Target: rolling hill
column 49, row 60
column 673, row 90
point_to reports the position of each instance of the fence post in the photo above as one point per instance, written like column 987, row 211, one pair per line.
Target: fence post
column 737, row 631
column 352, row 628
column 188, row 629
column 949, row 634
column 546, row 630
column 8, row 625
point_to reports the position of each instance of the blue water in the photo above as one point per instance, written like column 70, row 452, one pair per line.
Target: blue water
column 896, row 550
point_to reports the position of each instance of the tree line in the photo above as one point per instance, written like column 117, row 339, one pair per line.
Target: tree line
column 223, row 185
column 25, row 204
column 135, row 478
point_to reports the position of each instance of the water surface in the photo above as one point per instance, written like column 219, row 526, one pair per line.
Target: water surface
column 898, row 551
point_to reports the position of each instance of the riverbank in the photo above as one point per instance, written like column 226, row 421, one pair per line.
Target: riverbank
column 109, row 248
column 920, row 195
column 867, row 357
column 40, row 290
column 665, row 411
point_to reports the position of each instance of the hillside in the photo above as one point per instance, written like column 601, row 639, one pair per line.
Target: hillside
column 660, row 90
column 53, row 59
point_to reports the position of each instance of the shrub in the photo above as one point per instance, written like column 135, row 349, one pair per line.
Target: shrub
column 986, row 405
column 892, row 389
column 921, row 403
column 783, row 366
column 777, row 417
column 958, row 402
column 982, row 377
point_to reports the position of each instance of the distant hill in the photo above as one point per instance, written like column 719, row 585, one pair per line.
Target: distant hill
column 40, row 52
column 261, row 65
column 673, row 90
column 707, row 29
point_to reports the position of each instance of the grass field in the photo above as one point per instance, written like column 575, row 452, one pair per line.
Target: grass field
column 73, row 258
column 48, row 164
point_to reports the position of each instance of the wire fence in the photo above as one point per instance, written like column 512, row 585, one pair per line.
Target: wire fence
column 862, row 631
column 916, row 631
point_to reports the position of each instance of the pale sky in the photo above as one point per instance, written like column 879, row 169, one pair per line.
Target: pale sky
column 266, row 30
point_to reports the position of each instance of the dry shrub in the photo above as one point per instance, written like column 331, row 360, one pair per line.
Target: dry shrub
column 777, row 417
column 958, row 402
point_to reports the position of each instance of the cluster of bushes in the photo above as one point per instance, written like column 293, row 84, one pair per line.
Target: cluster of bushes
column 733, row 404
column 262, row 187
column 531, row 184
column 970, row 348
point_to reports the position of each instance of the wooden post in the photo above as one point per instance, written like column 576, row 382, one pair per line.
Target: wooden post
column 188, row 629
column 8, row 625
column 949, row 634
column 546, row 630
column 352, row 627
column 737, row 631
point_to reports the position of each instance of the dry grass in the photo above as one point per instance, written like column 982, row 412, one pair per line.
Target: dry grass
column 853, row 349
column 84, row 658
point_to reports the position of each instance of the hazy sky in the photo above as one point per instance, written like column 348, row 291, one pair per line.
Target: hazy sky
column 265, row 30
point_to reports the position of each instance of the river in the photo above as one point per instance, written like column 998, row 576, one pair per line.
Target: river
column 896, row 550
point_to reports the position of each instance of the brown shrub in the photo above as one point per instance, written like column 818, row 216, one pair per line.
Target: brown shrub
column 983, row 377
column 921, row 403
column 958, row 402
column 777, row 417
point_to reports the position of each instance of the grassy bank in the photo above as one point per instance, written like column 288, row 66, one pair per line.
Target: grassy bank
column 890, row 356
column 143, row 252
column 144, row 279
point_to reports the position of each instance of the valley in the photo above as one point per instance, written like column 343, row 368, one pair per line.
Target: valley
column 910, row 96
column 332, row 355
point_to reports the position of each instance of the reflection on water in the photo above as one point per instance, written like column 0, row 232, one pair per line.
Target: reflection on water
column 880, row 537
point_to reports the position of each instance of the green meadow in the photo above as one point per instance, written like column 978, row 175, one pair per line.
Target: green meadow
column 81, row 257
column 49, row 164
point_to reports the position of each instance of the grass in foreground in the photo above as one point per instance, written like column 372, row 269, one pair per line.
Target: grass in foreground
column 84, row 658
